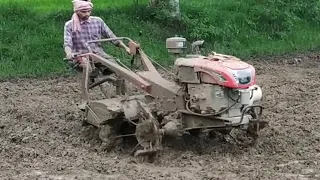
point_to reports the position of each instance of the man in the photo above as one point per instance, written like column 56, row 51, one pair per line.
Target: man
column 82, row 28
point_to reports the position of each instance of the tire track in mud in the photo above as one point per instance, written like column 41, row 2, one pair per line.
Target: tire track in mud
column 41, row 134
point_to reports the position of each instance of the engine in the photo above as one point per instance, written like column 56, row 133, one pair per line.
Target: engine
column 215, row 99
column 218, row 85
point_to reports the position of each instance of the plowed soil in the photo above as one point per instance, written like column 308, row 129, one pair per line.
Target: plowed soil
column 41, row 136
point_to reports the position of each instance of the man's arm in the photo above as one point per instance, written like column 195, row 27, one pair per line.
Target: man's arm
column 67, row 40
column 107, row 33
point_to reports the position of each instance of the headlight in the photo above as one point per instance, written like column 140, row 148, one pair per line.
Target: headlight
column 243, row 76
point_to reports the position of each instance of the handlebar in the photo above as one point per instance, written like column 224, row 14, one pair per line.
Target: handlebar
column 99, row 40
column 74, row 55
column 105, row 40
column 109, row 39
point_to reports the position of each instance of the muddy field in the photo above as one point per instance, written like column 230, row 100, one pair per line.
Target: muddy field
column 42, row 137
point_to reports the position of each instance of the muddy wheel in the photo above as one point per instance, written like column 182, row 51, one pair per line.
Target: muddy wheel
column 195, row 132
column 225, row 131
column 147, row 133
column 243, row 138
column 105, row 90
column 105, row 83
column 107, row 87
column 106, row 135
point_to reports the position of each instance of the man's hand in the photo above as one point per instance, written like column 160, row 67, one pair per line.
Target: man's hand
column 70, row 56
column 128, row 50
column 68, row 52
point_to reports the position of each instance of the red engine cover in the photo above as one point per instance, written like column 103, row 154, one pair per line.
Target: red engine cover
column 224, row 70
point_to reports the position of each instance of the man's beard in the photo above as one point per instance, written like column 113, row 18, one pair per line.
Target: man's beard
column 85, row 18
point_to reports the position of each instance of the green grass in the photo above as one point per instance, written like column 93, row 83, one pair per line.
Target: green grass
column 32, row 30
column 54, row 5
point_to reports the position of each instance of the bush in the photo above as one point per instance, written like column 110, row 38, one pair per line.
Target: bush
column 273, row 17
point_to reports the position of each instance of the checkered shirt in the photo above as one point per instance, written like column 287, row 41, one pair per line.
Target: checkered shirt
column 92, row 29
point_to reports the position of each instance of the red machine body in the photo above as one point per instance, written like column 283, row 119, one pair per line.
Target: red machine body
column 224, row 70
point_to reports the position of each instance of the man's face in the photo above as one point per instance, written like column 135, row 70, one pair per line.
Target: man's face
column 84, row 14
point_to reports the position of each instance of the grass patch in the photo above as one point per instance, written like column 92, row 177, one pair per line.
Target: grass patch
column 56, row 5
column 32, row 47
column 32, row 30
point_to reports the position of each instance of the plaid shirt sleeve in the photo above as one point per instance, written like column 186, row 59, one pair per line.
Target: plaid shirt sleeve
column 107, row 33
column 67, row 35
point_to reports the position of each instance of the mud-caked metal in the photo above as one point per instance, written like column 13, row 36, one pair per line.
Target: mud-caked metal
column 216, row 92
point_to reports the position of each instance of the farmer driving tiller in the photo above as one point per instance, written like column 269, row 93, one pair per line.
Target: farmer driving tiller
column 82, row 28
column 213, row 93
